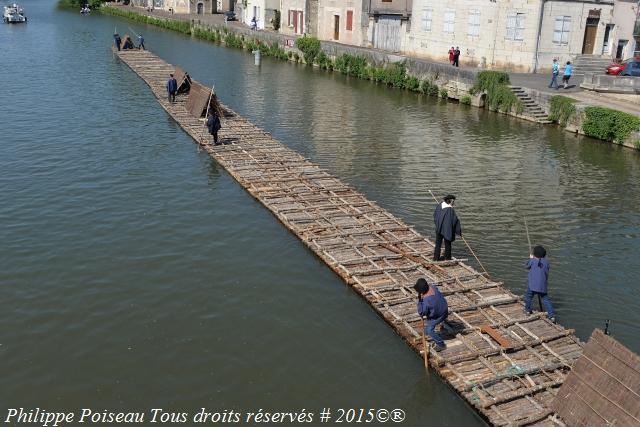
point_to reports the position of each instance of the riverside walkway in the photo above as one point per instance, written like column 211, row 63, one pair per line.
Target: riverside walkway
column 506, row 365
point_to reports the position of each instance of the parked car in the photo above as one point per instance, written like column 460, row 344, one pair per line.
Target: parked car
column 230, row 16
column 628, row 65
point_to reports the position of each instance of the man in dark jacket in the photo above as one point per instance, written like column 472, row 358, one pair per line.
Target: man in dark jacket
column 172, row 88
column 117, row 40
column 447, row 226
column 433, row 308
column 538, row 278
column 214, row 125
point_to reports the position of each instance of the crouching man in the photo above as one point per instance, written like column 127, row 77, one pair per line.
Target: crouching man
column 432, row 307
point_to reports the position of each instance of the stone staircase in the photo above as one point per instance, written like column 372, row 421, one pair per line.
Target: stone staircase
column 532, row 111
column 589, row 64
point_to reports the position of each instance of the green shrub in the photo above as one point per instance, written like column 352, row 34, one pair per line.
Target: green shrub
column 276, row 20
column 352, row 65
column 412, row 83
column 179, row 26
column 296, row 57
column 289, row 54
column 310, row 47
column 499, row 95
column 428, row 87
column 562, row 109
column 444, row 94
column 232, row 41
column 466, row 100
column 323, row 60
column 609, row 125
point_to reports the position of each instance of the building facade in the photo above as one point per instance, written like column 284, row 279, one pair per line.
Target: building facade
column 387, row 23
column 293, row 17
column 519, row 35
column 263, row 10
column 623, row 38
column 341, row 21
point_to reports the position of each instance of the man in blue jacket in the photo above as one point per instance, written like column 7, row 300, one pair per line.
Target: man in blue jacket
column 172, row 88
column 538, row 278
column 447, row 226
column 433, row 308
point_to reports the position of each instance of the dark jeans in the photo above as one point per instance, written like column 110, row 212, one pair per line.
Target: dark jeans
column 215, row 137
column 455, row 62
column 438, row 248
column 141, row 46
column 430, row 329
column 528, row 299
column 554, row 80
column 172, row 97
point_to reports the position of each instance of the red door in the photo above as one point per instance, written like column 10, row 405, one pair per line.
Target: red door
column 295, row 22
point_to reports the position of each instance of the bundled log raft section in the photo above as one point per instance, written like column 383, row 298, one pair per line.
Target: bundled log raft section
column 507, row 365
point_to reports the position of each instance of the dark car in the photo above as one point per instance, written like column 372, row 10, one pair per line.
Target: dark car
column 628, row 67
column 230, row 16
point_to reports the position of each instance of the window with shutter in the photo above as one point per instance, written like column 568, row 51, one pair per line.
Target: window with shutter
column 561, row 29
column 349, row 20
column 449, row 21
column 515, row 26
column 426, row 19
column 474, row 23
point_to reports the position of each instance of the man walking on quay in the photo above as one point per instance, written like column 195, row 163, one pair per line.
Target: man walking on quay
column 555, row 70
column 117, row 40
column 172, row 88
column 456, row 57
column 538, row 278
column 568, row 69
column 141, row 42
column 433, row 308
column 447, row 226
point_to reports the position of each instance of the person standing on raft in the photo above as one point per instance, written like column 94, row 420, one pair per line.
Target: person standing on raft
column 538, row 278
column 447, row 226
column 214, row 125
column 172, row 88
column 432, row 307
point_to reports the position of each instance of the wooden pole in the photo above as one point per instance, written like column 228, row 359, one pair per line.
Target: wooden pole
column 206, row 115
column 465, row 241
column 425, row 348
column 527, row 230
column 526, row 227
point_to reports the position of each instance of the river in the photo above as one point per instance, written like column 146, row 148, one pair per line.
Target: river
column 136, row 274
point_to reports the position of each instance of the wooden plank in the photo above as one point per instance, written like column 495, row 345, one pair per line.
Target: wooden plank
column 500, row 339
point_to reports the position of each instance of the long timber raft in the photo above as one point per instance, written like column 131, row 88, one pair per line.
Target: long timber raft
column 506, row 365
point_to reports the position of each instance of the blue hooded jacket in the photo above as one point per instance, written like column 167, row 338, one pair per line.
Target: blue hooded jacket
column 538, row 274
column 434, row 306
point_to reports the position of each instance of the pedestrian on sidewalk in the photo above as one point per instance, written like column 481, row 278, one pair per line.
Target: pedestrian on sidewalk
column 447, row 226
column 172, row 88
column 568, row 69
column 555, row 70
column 254, row 23
column 141, row 42
column 432, row 307
column 538, row 279
column 117, row 40
column 451, row 55
column 456, row 57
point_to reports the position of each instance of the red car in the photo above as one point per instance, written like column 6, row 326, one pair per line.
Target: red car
column 615, row 69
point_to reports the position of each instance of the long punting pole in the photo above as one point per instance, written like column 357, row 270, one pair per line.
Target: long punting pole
column 425, row 348
column 465, row 241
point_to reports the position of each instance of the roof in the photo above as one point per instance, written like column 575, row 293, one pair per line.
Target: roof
column 603, row 388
